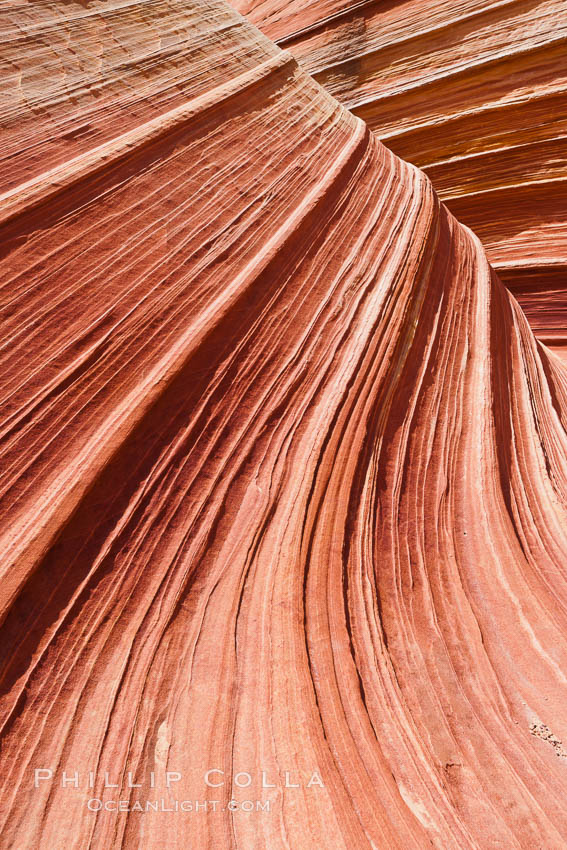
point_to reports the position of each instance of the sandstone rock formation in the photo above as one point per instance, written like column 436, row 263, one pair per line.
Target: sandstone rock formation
column 283, row 466
column 474, row 94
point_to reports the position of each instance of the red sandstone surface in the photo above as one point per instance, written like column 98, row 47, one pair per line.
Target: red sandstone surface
column 283, row 466
column 473, row 92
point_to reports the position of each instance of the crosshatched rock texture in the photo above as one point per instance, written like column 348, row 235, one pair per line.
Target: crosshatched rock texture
column 283, row 466
column 473, row 92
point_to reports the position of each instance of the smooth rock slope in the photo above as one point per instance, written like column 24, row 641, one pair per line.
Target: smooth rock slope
column 283, row 466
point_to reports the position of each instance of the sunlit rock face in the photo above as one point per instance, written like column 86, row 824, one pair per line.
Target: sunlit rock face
column 474, row 94
column 283, row 466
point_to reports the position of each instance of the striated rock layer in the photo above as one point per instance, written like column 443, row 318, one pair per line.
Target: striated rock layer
column 283, row 467
column 474, row 93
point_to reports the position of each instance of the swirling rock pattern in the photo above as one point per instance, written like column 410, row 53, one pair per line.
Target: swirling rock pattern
column 474, row 94
column 283, row 466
